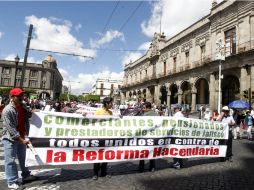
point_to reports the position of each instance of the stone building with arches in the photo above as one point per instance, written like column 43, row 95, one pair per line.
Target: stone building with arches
column 45, row 78
column 184, row 69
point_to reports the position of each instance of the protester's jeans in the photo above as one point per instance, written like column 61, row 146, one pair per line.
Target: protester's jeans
column 11, row 151
column 249, row 132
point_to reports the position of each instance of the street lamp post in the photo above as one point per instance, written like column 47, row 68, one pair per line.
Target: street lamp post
column 16, row 68
column 219, row 93
column 220, row 49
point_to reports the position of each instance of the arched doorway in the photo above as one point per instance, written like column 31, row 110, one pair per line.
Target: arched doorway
column 164, row 93
column 144, row 95
column 44, row 95
column 174, row 94
column 202, row 91
column 130, row 94
column 186, row 88
column 230, row 89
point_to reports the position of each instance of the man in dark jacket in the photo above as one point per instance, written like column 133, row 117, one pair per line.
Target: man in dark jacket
column 148, row 112
column 15, row 129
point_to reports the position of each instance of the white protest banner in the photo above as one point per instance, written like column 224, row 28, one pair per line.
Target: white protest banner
column 91, row 110
column 62, row 138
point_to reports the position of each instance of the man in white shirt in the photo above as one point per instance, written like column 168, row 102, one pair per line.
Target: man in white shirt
column 226, row 118
column 178, row 162
column 207, row 114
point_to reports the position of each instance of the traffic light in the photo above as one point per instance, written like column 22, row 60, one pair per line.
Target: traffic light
column 245, row 93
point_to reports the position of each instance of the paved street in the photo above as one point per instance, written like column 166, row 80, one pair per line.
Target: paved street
column 198, row 174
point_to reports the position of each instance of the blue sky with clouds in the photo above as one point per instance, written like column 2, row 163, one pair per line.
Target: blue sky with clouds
column 84, row 27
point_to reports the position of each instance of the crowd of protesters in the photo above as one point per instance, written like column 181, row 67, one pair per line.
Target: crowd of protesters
column 243, row 120
column 14, row 134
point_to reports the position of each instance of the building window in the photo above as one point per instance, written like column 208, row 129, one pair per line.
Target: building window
column 43, row 76
column 101, row 93
column 146, row 72
column 164, row 68
column 140, row 76
column 102, row 86
column 33, row 73
column 6, row 82
column 230, row 42
column 18, row 81
column 174, row 64
column 43, row 84
column 33, row 83
column 202, row 53
column 19, row 72
column 187, row 55
column 6, row 71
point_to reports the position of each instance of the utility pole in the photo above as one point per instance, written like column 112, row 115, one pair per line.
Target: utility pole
column 26, row 55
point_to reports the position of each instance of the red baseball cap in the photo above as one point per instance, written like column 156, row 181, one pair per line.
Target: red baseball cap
column 16, row 92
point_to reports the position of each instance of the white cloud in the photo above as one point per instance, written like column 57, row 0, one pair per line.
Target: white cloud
column 176, row 15
column 133, row 56
column 1, row 34
column 106, row 38
column 144, row 46
column 11, row 57
column 78, row 27
column 84, row 82
column 54, row 35
column 130, row 57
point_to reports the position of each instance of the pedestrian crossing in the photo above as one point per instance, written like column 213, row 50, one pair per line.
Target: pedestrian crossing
column 37, row 172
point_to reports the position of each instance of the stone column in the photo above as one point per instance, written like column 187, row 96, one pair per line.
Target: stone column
column 252, row 28
column 123, row 97
column 168, row 96
column 244, row 80
column 157, row 95
column 202, row 92
column 213, row 98
column 180, row 96
column 127, row 95
column 252, row 77
column 148, row 95
column 193, row 99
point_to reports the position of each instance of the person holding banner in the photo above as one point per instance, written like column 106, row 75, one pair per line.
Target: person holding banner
column 105, row 110
column 148, row 112
column 15, row 129
column 178, row 162
column 229, row 120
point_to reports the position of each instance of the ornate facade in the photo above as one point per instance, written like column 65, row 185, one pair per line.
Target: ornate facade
column 44, row 78
column 184, row 68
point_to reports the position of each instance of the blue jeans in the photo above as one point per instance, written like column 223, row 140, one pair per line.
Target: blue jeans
column 11, row 151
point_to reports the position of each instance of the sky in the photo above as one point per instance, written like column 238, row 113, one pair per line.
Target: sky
column 108, row 34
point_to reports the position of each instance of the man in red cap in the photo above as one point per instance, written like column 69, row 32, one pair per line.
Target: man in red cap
column 15, row 129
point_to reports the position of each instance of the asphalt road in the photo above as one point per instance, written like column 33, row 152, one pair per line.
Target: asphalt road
column 198, row 174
